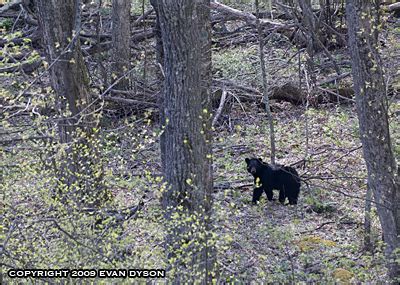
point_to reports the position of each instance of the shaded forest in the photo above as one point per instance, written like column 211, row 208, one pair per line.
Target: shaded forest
column 219, row 141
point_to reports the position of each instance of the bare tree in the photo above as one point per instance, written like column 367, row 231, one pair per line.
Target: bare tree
column 186, row 141
column 372, row 107
column 78, row 169
column 309, row 24
column 311, row 27
column 265, row 86
column 121, row 35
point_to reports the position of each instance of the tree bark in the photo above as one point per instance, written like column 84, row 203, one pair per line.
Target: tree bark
column 314, row 41
column 265, row 86
column 186, row 142
column 160, row 74
column 372, row 108
column 78, row 168
column 121, row 32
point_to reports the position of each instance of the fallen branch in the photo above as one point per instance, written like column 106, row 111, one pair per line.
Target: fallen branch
column 317, row 228
column 333, row 79
column 288, row 92
column 104, row 46
column 234, row 85
column 220, row 108
column 244, row 16
column 122, row 215
column 233, row 185
column 128, row 101
column 142, row 17
column 27, row 67
column 336, row 94
column 394, row 7
column 328, row 223
column 15, row 140
column 10, row 5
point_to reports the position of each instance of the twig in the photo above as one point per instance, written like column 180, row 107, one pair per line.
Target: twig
column 327, row 223
column 69, row 235
column 116, row 82
column 317, row 228
column 333, row 79
column 348, row 195
column 16, row 20
column 336, row 94
column 227, row 83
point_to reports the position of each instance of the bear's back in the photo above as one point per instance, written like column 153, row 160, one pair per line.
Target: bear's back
column 285, row 175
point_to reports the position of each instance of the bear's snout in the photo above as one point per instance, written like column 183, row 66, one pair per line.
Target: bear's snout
column 253, row 170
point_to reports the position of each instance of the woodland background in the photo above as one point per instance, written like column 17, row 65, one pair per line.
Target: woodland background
column 125, row 125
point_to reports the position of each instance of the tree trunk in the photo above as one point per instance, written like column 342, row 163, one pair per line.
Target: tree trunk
column 78, row 168
column 160, row 71
column 186, row 142
column 121, row 35
column 309, row 24
column 372, row 108
column 159, row 45
column 315, row 39
column 265, row 85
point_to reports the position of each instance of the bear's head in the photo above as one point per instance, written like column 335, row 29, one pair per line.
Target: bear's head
column 254, row 165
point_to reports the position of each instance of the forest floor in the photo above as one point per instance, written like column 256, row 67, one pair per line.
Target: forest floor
column 318, row 240
column 321, row 239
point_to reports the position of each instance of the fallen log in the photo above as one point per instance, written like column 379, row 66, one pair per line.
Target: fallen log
column 27, row 67
column 104, row 46
column 220, row 108
column 234, row 85
column 129, row 101
column 394, row 7
column 244, row 16
column 11, row 5
column 31, row 38
column 287, row 92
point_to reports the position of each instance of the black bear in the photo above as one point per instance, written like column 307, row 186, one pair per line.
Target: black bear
column 283, row 178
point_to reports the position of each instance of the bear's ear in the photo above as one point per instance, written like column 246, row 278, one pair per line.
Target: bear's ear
column 247, row 160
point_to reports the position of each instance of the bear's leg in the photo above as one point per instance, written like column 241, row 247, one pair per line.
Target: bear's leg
column 294, row 195
column 270, row 194
column 282, row 196
column 257, row 194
